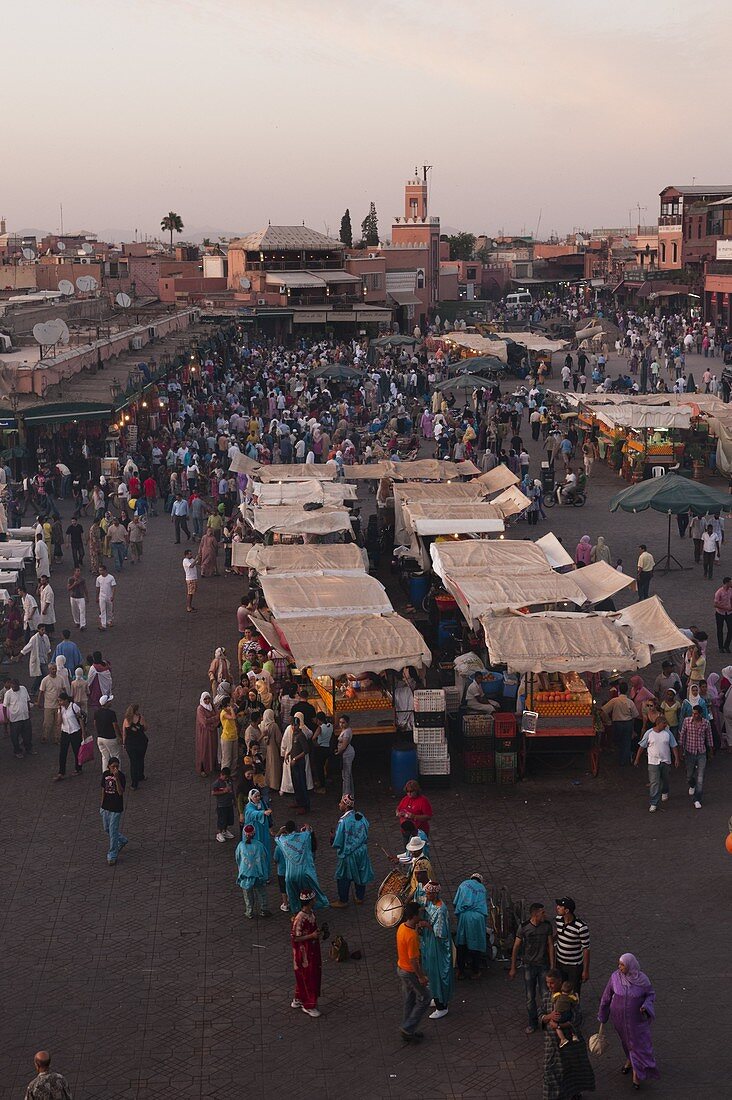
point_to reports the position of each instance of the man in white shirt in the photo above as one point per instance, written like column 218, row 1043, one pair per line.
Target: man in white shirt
column 17, row 703
column 40, row 553
column 38, row 648
column 30, row 611
column 190, row 568
column 660, row 743
column 475, row 698
column 71, row 734
column 47, row 602
column 710, row 549
column 106, row 585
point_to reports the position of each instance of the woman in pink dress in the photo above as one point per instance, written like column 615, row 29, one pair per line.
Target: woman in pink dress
column 629, row 1003
column 208, row 554
column 306, row 959
column 207, row 735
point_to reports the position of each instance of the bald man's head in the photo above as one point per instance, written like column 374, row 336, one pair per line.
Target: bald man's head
column 42, row 1059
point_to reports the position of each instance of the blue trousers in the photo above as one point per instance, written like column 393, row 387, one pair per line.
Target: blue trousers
column 111, row 822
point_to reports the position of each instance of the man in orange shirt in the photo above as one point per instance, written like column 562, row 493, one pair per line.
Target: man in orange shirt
column 413, row 980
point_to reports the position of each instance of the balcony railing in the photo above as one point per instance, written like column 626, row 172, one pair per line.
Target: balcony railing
column 669, row 219
column 294, row 265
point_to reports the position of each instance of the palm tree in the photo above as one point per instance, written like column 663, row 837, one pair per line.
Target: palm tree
column 172, row 223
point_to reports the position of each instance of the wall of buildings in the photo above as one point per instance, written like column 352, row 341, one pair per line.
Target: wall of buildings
column 18, row 277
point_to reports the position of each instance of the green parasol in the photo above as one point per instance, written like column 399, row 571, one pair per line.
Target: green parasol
column 672, row 495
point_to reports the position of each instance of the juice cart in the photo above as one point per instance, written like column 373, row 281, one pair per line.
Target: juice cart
column 368, row 704
column 559, row 719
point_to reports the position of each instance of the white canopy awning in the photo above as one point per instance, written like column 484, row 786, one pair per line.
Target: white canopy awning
column 339, row 558
column 555, row 553
column 453, row 519
column 651, row 625
column 354, row 644
column 240, row 464
column 511, row 502
column 600, row 581
column 478, row 596
column 500, row 477
column 478, row 557
column 291, row 519
column 561, row 642
column 304, row 492
column 312, row 594
column 302, row 471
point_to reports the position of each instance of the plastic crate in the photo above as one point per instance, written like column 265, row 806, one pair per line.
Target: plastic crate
column 452, row 699
column 435, row 767
column 429, row 718
column 434, row 735
column 505, row 745
column 479, row 775
column 478, row 742
column 479, row 760
column 506, row 761
column 434, row 751
column 504, row 726
column 506, row 776
column 429, row 699
column 474, row 724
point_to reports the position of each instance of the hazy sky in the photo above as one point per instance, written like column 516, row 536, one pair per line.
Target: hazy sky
column 236, row 112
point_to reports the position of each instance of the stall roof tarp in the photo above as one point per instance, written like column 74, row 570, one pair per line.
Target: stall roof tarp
column 500, row 477
column 651, row 625
column 432, row 469
column 340, row 558
column 360, row 471
column 290, row 519
column 355, row 644
column 452, row 519
column 479, row 345
column 599, row 581
column 639, row 416
column 317, row 594
column 552, row 548
column 303, row 471
column 304, row 492
column 478, row 557
column 561, row 642
column 511, row 502
column 240, row 464
column 455, row 492
column 534, row 341
column 478, row 596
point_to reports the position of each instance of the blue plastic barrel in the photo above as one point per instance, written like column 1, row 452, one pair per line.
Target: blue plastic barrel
column 419, row 584
column 403, row 765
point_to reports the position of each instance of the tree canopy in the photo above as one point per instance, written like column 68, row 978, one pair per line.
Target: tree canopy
column 462, row 246
column 346, row 229
column 370, row 227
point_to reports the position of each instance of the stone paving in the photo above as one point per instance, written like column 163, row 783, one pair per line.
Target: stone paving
column 145, row 981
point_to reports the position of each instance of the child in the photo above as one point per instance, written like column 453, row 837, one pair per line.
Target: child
column 562, row 1003
column 619, row 565
column 223, row 791
column 80, row 690
column 255, row 761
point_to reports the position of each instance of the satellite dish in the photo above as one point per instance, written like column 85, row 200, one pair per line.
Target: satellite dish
column 123, row 300
column 61, row 246
column 86, row 283
column 66, row 286
column 93, row 284
column 52, row 332
column 29, row 253
column 245, row 283
column 86, row 247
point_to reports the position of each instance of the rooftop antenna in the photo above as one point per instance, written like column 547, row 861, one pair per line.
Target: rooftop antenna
column 538, row 223
column 61, row 207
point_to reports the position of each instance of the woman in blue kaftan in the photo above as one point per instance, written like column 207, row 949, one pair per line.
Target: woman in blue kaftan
column 436, row 949
column 300, row 873
column 471, row 910
column 351, row 844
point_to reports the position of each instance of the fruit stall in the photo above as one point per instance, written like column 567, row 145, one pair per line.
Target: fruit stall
column 559, row 718
column 369, row 705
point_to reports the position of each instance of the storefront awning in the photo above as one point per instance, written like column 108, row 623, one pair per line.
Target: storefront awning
column 60, row 413
column 404, row 297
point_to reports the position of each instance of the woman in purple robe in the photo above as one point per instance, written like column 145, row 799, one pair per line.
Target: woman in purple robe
column 629, row 1002
column 426, row 425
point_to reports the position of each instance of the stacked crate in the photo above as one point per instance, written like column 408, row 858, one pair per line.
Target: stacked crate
column 478, row 748
column 429, row 733
column 506, row 741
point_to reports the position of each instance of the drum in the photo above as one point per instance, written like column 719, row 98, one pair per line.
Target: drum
column 390, row 901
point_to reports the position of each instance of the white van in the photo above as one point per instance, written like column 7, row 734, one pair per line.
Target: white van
column 519, row 298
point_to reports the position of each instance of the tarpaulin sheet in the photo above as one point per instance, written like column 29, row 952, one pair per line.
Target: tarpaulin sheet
column 289, row 519
column 478, row 557
column 500, row 477
column 301, row 471
column 442, row 518
column 478, row 596
column 560, row 642
column 317, row 594
column 555, row 553
column 355, row 644
column 650, row 624
column 240, row 464
column 600, row 581
column 304, row 492
column 343, row 558
column 511, row 502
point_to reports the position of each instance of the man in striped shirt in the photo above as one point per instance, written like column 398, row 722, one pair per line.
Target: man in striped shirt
column 571, row 945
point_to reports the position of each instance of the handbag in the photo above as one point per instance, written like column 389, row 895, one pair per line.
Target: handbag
column 86, row 751
column 597, row 1044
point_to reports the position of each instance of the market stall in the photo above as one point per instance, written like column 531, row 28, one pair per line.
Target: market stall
column 349, row 660
column 315, row 594
column 342, row 559
column 303, row 492
column 286, row 519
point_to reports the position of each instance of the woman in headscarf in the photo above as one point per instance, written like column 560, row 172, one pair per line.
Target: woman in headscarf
column 255, row 814
column 713, row 701
column 629, row 1003
column 601, row 551
column 94, row 542
column 219, row 669
column 207, row 737
column 271, row 740
column 63, row 673
column 583, row 552
column 693, row 699
column 671, row 705
column 725, row 688
column 208, row 554
column 695, row 664
column 286, row 786
column 645, row 701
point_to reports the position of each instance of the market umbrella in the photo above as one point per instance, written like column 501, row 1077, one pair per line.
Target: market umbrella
column 481, row 363
column 673, row 495
column 340, row 372
column 467, row 382
column 394, row 340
